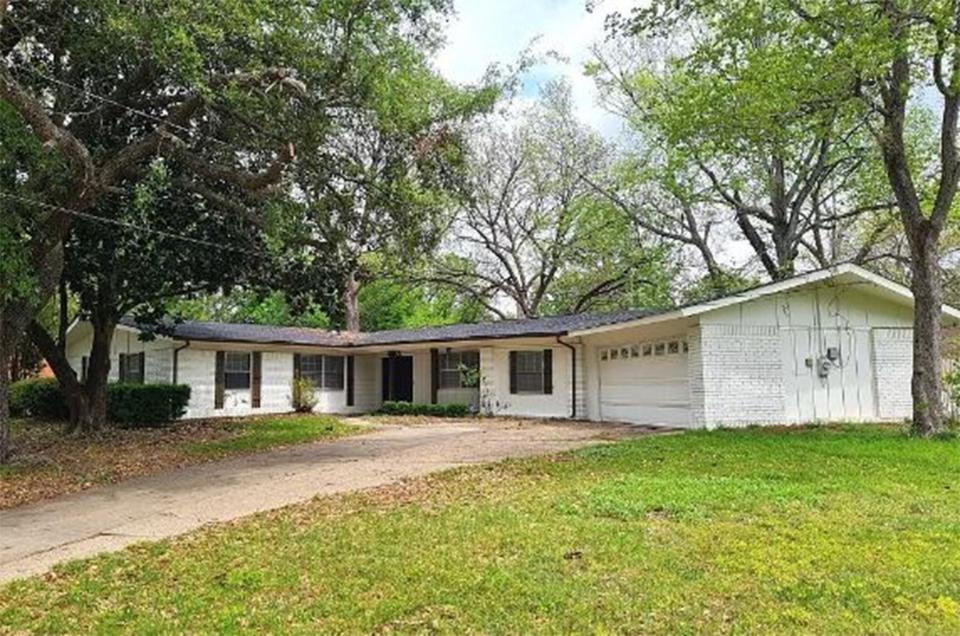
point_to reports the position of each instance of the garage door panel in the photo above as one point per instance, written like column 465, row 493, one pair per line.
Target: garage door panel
column 646, row 390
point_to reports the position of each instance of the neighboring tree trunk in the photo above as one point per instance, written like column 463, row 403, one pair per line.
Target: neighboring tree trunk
column 5, row 347
column 351, row 303
column 926, row 382
column 73, row 390
column 98, row 371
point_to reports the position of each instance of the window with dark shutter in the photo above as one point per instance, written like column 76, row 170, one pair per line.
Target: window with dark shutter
column 324, row 372
column 236, row 371
column 531, row 372
column 458, row 369
column 131, row 368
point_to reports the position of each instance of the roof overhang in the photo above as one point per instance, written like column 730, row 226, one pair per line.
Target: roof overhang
column 841, row 274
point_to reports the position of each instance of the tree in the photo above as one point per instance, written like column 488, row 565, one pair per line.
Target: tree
column 375, row 193
column 220, row 87
column 871, row 61
column 525, row 230
column 115, row 269
column 711, row 154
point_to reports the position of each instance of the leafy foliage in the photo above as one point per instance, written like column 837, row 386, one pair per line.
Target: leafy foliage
column 133, row 405
column 303, row 395
column 434, row 410
column 39, row 398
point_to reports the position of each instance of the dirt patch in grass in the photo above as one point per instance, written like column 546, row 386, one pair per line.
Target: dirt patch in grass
column 47, row 463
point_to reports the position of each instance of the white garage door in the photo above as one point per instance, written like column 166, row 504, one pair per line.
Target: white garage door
column 645, row 384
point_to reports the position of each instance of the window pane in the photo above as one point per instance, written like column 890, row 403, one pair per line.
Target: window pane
column 449, row 379
column 236, row 366
column 673, row 347
column 333, row 372
column 530, row 371
column 130, row 368
column 659, row 348
column 311, row 368
column 236, row 362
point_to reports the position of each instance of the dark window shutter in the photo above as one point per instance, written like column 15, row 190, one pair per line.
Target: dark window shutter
column 350, row 389
column 123, row 368
column 548, row 371
column 296, row 366
column 513, row 372
column 434, row 375
column 256, row 380
column 218, row 381
column 142, row 360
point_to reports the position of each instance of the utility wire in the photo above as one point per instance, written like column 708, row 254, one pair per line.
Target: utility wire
column 132, row 226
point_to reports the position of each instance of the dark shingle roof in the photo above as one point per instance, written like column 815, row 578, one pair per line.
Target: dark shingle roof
column 254, row 334
column 549, row 326
column 265, row 334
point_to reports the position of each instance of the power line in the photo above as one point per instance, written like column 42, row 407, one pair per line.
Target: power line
column 140, row 228
column 135, row 111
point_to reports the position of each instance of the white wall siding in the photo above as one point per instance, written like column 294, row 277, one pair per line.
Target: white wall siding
column 158, row 353
column 893, row 358
column 196, row 367
column 367, row 394
column 495, row 384
column 742, row 381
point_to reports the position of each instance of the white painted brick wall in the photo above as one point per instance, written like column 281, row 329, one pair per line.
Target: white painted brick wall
column 698, row 414
column 893, row 368
column 741, row 381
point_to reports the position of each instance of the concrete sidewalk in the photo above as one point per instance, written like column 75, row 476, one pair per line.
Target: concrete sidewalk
column 33, row 538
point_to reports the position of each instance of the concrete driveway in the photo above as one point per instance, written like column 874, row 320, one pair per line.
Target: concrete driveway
column 33, row 538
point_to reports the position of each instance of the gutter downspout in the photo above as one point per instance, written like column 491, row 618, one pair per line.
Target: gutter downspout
column 573, row 376
column 176, row 360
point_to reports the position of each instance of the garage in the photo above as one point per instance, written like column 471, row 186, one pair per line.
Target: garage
column 645, row 383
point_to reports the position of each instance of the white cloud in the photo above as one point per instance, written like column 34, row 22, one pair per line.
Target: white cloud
column 485, row 32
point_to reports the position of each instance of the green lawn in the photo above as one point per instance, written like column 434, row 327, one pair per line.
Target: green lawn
column 839, row 530
column 269, row 432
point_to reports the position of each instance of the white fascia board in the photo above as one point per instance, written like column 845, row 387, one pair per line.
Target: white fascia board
column 770, row 289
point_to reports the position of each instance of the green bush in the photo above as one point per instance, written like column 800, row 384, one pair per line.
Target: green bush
column 303, row 395
column 38, row 397
column 437, row 410
column 127, row 404
column 133, row 405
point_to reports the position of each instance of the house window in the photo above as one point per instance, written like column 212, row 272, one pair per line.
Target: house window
column 333, row 373
column 614, row 354
column 686, row 347
column 673, row 347
column 604, row 355
column 324, row 372
column 530, row 372
column 659, row 349
column 634, row 351
column 236, row 371
column 131, row 368
column 458, row 369
column 647, row 350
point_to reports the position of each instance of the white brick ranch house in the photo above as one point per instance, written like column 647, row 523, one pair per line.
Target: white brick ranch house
column 829, row 345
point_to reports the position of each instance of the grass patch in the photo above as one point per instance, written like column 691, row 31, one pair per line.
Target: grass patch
column 47, row 464
column 264, row 433
column 818, row 530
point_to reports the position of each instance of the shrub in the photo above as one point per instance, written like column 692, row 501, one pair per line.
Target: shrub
column 303, row 395
column 437, row 410
column 135, row 405
column 38, row 397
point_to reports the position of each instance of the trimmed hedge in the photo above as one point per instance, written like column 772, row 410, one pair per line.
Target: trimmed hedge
column 438, row 410
column 133, row 405
column 40, row 398
column 128, row 404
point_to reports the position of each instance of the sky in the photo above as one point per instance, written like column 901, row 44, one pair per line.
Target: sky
column 485, row 32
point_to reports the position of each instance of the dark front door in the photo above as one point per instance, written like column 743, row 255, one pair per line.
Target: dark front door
column 397, row 378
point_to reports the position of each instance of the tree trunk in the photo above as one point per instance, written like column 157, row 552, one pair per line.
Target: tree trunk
column 4, row 384
column 73, row 391
column 351, row 303
column 13, row 320
column 926, row 284
column 98, row 373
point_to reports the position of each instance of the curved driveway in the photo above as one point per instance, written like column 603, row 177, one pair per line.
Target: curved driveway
column 33, row 538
